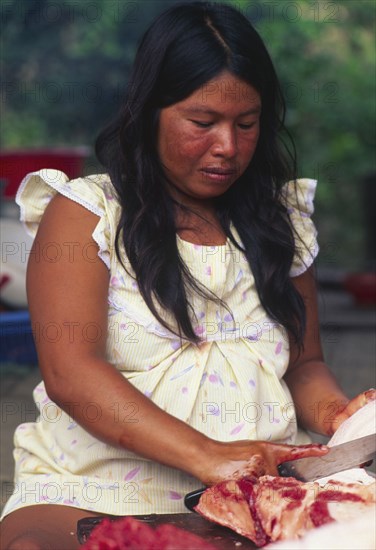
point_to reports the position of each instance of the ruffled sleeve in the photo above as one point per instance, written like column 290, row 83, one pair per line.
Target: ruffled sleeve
column 298, row 198
column 92, row 192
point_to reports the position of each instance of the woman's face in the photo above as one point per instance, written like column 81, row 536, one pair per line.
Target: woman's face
column 206, row 141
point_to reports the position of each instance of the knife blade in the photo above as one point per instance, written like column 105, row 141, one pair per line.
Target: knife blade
column 340, row 457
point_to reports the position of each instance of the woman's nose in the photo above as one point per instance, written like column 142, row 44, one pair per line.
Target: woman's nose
column 225, row 143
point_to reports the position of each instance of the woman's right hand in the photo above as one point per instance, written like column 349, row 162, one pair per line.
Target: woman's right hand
column 237, row 459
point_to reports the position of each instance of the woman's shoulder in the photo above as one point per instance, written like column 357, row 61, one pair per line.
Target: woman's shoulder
column 94, row 192
column 298, row 198
column 43, row 184
column 298, row 195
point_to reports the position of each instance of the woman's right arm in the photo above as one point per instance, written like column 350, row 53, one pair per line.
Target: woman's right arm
column 67, row 285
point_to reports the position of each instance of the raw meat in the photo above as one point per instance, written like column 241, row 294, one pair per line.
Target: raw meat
column 266, row 508
column 131, row 534
column 274, row 508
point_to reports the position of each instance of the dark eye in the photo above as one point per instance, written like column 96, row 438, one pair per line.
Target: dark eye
column 201, row 124
column 246, row 126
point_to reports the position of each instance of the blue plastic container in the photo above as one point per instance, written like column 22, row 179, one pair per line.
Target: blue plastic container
column 16, row 339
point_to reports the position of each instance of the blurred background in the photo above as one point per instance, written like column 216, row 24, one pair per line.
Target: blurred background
column 66, row 63
column 64, row 67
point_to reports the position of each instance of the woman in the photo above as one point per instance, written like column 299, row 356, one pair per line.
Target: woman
column 177, row 305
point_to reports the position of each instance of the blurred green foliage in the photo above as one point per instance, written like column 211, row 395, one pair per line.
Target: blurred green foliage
column 65, row 65
column 324, row 54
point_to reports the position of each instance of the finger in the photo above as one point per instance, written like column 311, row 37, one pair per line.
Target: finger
column 301, row 451
column 359, row 401
column 352, row 407
column 370, row 395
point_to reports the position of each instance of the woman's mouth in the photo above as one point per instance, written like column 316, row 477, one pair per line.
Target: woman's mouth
column 218, row 174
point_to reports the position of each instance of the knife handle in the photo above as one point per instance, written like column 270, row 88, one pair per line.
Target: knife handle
column 191, row 499
column 287, row 469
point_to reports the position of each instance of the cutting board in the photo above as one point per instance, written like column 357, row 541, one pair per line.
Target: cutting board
column 221, row 537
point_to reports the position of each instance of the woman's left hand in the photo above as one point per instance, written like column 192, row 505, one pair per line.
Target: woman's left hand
column 351, row 407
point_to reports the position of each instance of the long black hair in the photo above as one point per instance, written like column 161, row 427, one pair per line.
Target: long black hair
column 185, row 47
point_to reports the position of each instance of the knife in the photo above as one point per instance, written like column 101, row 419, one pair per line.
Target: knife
column 340, row 457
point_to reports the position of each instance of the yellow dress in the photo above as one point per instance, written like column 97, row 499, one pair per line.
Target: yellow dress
column 230, row 387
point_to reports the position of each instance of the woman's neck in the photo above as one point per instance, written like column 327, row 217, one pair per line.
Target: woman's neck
column 201, row 226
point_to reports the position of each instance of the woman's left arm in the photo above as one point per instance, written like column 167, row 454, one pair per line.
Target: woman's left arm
column 321, row 405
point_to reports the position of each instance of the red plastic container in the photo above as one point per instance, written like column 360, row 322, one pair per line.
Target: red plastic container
column 362, row 286
column 14, row 165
